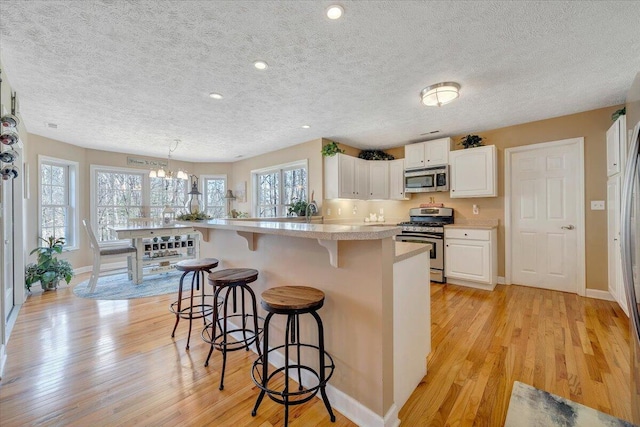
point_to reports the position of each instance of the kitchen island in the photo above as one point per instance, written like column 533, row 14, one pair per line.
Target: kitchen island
column 377, row 309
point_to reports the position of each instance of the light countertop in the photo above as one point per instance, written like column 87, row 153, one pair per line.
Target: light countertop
column 300, row 229
column 406, row 250
column 471, row 226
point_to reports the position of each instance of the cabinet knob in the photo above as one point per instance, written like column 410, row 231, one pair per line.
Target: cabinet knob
column 465, row 234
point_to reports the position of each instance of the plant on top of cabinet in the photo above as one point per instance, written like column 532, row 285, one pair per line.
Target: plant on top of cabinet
column 618, row 113
column 375, row 155
column 471, row 141
column 331, row 149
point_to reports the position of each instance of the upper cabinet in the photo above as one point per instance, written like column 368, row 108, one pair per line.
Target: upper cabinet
column 616, row 146
column 378, row 179
column 345, row 177
column 396, row 180
column 474, row 172
column 426, row 154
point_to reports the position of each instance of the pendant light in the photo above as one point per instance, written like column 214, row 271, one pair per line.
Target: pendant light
column 169, row 174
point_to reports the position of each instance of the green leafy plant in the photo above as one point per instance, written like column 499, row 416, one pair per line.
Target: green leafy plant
column 48, row 270
column 331, row 149
column 471, row 141
column 197, row 216
column 375, row 155
column 618, row 113
column 298, row 207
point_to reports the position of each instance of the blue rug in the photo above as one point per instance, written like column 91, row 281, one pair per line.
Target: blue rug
column 119, row 286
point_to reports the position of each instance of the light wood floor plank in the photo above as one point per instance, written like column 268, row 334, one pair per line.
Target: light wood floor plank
column 78, row 362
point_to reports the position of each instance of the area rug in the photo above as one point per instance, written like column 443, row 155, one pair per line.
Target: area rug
column 119, row 286
column 532, row 407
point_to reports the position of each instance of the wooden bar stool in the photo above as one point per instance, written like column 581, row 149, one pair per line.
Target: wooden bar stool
column 232, row 337
column 186, row 307
column 293, row 301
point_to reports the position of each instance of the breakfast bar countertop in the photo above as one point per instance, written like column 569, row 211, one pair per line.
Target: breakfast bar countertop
column 300, row 229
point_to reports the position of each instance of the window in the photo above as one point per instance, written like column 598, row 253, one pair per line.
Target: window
column 214, row 189
column 278, row 187
column 57, row 199
column 119, row 194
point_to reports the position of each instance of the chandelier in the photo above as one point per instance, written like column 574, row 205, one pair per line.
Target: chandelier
column 168, row 173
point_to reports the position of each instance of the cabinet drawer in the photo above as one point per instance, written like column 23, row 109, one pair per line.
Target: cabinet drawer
column 466, row 233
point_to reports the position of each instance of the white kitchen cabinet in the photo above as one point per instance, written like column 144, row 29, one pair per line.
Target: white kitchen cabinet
column 378, row 179
column 616, row 146
column 616, row 284
column 396, row 180
column 361, row 179
column 428, row 153
column 345, row 177
column 474, row 172
column 471, row 257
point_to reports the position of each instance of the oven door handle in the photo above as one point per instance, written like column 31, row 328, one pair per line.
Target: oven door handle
column 424, row 237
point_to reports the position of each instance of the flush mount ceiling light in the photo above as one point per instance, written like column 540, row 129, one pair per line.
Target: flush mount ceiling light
column 215, row 95
column 439, row 94
column 169, row 174
column 335, row 11
column 260, row 65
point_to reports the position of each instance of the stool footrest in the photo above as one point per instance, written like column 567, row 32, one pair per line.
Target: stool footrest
column 232, row 343
column 197, row 311
column 300, row 396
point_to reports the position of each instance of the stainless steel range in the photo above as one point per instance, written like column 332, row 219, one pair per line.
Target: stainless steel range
column 426, row 225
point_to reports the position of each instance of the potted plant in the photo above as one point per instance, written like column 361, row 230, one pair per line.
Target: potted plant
column 48, row 270
column 331, row 149
column 471, row 141
column 299, row 208
column 197, row 216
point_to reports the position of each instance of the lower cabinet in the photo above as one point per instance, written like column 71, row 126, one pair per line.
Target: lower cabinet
column 471, row 257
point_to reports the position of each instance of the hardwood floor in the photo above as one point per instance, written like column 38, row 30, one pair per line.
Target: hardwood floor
column 73, row 361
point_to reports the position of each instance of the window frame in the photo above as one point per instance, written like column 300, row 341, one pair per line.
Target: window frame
column 281, row 207
column 203, row 189
column 72, row 240
column 145, row 193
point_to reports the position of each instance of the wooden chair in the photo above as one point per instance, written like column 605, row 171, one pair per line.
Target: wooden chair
column 105, row 251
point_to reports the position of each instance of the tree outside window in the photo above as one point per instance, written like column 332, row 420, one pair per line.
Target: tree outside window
column 213, row 193
column 278, row 188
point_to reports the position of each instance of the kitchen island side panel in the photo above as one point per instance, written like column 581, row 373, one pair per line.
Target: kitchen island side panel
column 358, row 309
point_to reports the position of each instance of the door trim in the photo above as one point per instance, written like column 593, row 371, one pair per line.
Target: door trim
column 580, row 209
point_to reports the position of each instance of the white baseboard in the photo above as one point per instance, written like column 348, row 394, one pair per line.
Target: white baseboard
column 340, row 401
column 470, row 284
column 501, row 280
column 598, row 294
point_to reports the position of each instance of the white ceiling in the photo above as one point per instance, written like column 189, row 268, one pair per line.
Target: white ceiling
column 132, row 76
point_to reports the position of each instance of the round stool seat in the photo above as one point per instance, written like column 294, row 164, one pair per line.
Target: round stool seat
column 292, row 298
column 233, row 275
column 197, row 264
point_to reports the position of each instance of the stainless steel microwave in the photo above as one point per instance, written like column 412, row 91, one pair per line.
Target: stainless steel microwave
column 426, row 180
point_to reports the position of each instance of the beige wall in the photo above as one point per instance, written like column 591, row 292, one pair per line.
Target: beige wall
column 306, row 151
column 592, row 125
column 39, row 145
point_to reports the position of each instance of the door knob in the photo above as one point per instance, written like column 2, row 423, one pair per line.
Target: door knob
column 567, row 227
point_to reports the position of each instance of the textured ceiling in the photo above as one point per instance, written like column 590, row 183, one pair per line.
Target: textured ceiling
column 132, row 76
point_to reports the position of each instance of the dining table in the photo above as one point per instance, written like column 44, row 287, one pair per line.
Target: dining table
column 140, row 234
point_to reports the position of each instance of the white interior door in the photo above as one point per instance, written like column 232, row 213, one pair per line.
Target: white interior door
column 7, row 247
column 545, row 184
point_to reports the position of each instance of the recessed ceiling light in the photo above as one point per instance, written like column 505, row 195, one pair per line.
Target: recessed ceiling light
column 335, row 11
column 305, row 126
column 260, row 65
column 215, row 95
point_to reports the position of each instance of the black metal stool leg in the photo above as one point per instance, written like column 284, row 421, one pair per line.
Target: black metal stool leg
column 265, row 363
column 194, row 278
column 223, row 343
column 173, row 333
column 322, row 367
column 215, row 321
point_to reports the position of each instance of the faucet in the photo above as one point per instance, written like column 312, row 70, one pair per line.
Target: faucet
column 310, row 210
